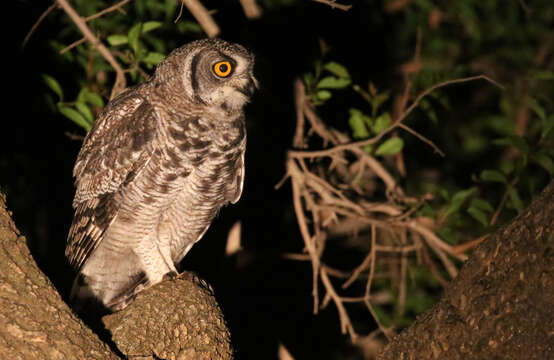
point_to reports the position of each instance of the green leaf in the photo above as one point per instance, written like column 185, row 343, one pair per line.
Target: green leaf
column 547, row 126
column 358, row 124
column 54, row 85
column 116, row 40
column 481, row 204
column 537, row 108
column 170, row 6
column 493, row 176
column 376, row 102
column 458, row 199
column 444, row 194
column 478, row 215
column 150, row 25
column 448, row 235
column 189, row 27
column 93, row 99
column 429, row 111
column 337, row 69
column 133, row 37
column 331, row 82
column 74, row 116
column 514, row 140
column 544, row 161
column 390, row 147
column 381, row 123
column 544, row 75
column 507, row 167
column 514, row 197
column 153, row 58
column 308, row 80
column 323, row 95
column 85, row 111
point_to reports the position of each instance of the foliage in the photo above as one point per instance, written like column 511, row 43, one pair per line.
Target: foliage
column 138, row 45
column 498, row 140
column 516, row 134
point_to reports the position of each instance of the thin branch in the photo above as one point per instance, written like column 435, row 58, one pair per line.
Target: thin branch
column 345, row 323
column 72, row 45
column 334, row 5
column 92, row 17
column 358, row 270
column 367, row 300
column 37, row 23
column 251, row 9
column 107, row 10
column 120, row 82
column 203, row 17
column 422, row 138
column 395, row 124
column 299, row 101
column 297, row 202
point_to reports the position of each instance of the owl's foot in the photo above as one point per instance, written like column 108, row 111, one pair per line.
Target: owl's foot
column 172, row 275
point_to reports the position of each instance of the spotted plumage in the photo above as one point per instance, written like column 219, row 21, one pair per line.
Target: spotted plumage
column 159, row 163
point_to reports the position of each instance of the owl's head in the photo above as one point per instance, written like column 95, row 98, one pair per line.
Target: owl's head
column 212, row 72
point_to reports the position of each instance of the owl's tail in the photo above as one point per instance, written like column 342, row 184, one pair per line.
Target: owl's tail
column 86, row 298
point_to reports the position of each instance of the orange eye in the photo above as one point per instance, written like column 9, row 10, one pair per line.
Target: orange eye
column 223, row 68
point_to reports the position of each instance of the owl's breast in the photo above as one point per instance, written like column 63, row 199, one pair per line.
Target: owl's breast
column 211, row 168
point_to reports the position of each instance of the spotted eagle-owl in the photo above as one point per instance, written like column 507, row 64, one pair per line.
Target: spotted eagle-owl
column 159, row 163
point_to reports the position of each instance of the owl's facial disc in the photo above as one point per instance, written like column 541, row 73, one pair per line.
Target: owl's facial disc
column 235, row 83
column 221, row 78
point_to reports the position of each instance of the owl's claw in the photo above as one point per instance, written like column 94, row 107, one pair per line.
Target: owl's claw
column 172, row 275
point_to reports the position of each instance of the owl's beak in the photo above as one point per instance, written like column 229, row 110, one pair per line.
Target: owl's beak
column 250, row 87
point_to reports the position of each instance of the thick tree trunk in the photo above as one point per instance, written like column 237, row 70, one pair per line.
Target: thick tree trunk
column 177, row 319
column 501, row 305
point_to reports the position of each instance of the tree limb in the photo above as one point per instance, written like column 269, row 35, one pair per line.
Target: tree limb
column 175, row 319
column 120, row 82
column 500, row 305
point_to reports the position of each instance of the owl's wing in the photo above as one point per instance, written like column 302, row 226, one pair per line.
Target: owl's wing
column 113, row 154
column 234, row 189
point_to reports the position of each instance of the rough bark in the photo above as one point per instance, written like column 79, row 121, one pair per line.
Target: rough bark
column 177, row 319
column 501, row 305
column 34, row 321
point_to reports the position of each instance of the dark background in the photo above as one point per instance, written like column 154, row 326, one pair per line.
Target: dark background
column 265, row 298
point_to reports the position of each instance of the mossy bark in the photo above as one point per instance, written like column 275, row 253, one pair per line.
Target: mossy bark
column 501, row 305
column 177, row 319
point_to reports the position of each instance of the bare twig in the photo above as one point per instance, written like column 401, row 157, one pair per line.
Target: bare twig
column 367, row 300
column 37, row 23
column 334, row 5
column 203, row 17
column 251, row 9
column 107, row 10
column 422, row 138
column 395, row 124
column 345, row 323
column 92, row 17
column 329, row 194
column 297, row 202
column 462, row 248
column 299, row 101
column 72, row 45
column 502, row 203
column 120, row 82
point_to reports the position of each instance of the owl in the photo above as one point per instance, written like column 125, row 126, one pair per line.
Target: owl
column 159, row 163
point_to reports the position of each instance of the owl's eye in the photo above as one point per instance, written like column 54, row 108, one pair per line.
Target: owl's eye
column 223, row 68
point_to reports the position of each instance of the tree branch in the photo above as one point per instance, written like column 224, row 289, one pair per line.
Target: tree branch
column 500, row 305
column 120, row 82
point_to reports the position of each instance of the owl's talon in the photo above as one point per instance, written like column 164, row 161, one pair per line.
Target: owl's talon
column 172, row 275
